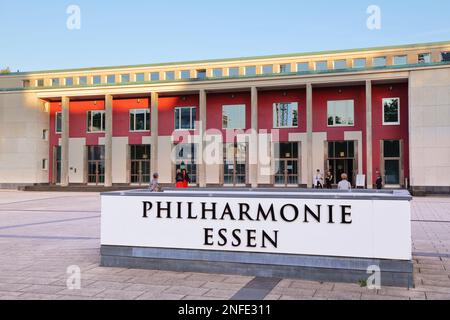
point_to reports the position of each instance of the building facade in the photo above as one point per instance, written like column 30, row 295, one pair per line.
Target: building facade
column 273, row 121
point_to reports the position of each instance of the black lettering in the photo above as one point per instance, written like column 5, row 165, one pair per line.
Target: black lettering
column 244, row 208
column 190, row 216
column 346, row 214
column 251, row 238
column 227, row 212
column 222, row 233
column 265, row 215
column 179, row 204
column 161, row 209
column 236, row 236
column 312, row 213
column 209, row 237
column 283, row 215
column 273, row 241
column 330, row 214
column 206, row 210
column 147, row 207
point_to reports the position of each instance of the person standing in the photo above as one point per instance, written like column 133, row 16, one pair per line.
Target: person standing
column 186, row 178
column 154, row 184
column 379, row 181
column 344, row 184
column 318, row 180
column 179, row 180
column 329, row 180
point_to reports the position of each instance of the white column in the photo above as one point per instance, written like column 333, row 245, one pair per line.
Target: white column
column 154, row 131
column 202, row 143
column 254, row 149
column 108, row 139
column 369, row 146
column 65, row 103
column 309, row 128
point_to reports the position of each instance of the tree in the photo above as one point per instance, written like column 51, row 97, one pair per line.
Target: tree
column 5, row 71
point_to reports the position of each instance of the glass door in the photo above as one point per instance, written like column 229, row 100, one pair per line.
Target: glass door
column 342, row 159
column 235, row 164
column 185, row 159
column 391, row 162
column 96, row 165
column 140, row 164
column 286, row 164
column 57, row 165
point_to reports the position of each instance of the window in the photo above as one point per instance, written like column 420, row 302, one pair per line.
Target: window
column 154, row 76
column 424, row 58
column 96, row 121
column 26, row 83
column 359, row 63
column 58, row 122
column 185, row 118
column 379, row 62
column 96, row 79
column 445, row 56
column 55, row 82
column 268, row 69
column 186, row 159
column 45, row 134
column 321, row 66
column 285, row 115
column 302, row 67
column 233, row 117
column 140, row 120
column 69, row 81
column 140, row 77
column 185, row 74
column 82, row 81
column 201, row 74
column 391, row 148
column 111, row 79
column 391, row 111
column 125, row 78
column 285, row 68
column 233, row 72
column 250, row 70
column 40, row 82
column 341, row 113
column 340, row 64
column 170, row 75
column 400, row 60
column 44, row 164
column 217, row 73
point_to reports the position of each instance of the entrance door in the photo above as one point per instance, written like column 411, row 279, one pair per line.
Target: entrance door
column 140, row 164
column 185, row 158
column 57, row 165
column 235, row 164
column 286, row 164
column 342, row 159
column 96, row 165
column 391, row 162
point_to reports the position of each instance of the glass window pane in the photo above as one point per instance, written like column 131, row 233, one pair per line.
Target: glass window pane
column 185, row 74
column 445, row 56
column 40, row 82
column 233, row 72
column 268, row 69
column 392, row 172
column 359, row 63
column 201, row 74
column 147, row 122
column 233, row 117
column 177, row 118
column 82, row 80
column 97, row 121
column 285, row 68
column 140, row 120
column 379, row 62
column 321, row 65
column 58, row 122
column 340, row 64
column 285, row 115
column 55, row 82
column 250, row 70
column 170, row 75
column 132, row 128
column 391, row 149
column 96, row 80
column 341, row 113
column 140, row 77
column 391, row 111
column 400, row 60
column 125, row 78
column 185, row 118
column 154, row 76
column 69, row 81
column 302, row 67
column 111, row 79
column 217, row 73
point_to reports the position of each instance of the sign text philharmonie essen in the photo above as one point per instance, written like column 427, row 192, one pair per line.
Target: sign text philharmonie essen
column 240, row 212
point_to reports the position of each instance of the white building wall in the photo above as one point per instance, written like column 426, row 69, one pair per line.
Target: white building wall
column 120, row 168
column 77, row 163
column 318, row 151
column 23, row 118
column 429, row 110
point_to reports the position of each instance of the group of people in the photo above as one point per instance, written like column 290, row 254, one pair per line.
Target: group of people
column 344, row 184
column 182, row 181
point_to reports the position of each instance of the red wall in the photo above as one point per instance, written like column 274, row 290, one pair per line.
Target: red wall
column 398, row 132
column 53, row 137
column 166, row 110
column 121, row 118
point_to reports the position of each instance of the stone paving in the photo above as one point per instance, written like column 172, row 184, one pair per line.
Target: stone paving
column 42, row 234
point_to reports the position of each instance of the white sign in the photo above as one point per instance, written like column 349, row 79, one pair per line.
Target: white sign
column 360, row 181
column 326, row 227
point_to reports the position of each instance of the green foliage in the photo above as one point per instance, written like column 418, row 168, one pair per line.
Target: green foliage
column 5, row 71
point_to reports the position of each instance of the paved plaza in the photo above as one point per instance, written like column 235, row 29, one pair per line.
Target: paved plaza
column 42, row 234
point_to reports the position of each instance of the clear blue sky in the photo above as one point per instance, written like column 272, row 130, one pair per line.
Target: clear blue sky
column 34, row 35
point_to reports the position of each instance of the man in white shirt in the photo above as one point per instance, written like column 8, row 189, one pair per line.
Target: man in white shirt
column 344, row 184
column 318, row 180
